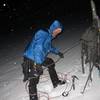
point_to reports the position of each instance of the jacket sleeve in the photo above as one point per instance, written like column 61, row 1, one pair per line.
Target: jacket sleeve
column 38, row 55
column 54, row 50
column 38, row 50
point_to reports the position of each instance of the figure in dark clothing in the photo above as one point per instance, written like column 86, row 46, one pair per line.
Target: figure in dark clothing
column 90, row 43
column 35, row 57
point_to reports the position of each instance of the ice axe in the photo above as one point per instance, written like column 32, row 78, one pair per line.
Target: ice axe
column 66, row 93
column 73, row 81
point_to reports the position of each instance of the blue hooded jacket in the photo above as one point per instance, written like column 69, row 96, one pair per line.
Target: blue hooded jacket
column 41, row 44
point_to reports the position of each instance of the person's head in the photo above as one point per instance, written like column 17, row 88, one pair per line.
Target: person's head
column 55, row 28
column 56, row 32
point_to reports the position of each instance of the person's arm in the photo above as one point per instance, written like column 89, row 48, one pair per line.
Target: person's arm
column 57, row 52
column 54, row 50
column 38, row 55
column 40, row 38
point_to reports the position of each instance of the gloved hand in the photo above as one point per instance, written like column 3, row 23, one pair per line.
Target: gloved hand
column 61, row 55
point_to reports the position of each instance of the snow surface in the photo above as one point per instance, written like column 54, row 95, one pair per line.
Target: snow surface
column 13, row 88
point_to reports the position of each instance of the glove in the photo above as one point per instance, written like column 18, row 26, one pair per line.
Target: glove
column 61, row 55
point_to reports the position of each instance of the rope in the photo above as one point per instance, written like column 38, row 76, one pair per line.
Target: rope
column 66, row 51
column 45, row 94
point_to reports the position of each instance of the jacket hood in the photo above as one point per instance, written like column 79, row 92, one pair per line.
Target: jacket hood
column 56, row 24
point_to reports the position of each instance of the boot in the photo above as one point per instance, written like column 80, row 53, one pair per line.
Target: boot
column 60, row 82
column 33, row 97
column 33, row 88
column 54, row 78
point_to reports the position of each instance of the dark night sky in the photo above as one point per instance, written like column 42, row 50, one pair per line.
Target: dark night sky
column 19, row 15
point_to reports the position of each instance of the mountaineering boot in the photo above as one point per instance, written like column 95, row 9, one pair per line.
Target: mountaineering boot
column 33, row 88
column 34, row 97
column 54, row 78
column 60, row 82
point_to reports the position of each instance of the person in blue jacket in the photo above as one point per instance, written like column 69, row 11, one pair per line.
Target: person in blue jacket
column 36, row 56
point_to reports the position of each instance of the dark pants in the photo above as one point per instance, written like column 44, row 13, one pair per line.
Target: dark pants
column 49, row 63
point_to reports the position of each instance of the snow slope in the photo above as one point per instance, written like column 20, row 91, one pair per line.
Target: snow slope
column 13, row 88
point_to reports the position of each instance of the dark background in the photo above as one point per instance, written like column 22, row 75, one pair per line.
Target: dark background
column 22, row 17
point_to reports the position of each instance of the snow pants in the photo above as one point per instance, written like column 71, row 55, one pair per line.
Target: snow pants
column 49, row 63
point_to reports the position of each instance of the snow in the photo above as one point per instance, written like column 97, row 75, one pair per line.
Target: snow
column 13, row 88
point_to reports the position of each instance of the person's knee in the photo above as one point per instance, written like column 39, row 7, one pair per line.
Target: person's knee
column 51, row 63
column 33, row 84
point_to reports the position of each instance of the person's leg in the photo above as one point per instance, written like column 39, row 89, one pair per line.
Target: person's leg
column 52, row 72
column 25, row 68
column 28, row 65
column 33, row 88
column 33, row 80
